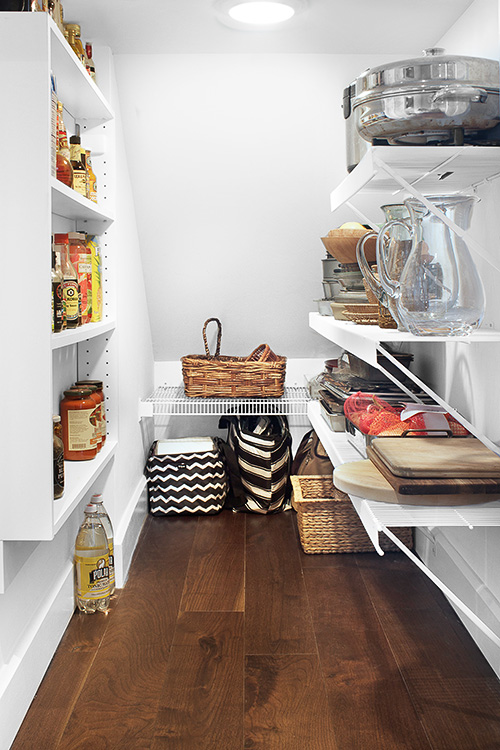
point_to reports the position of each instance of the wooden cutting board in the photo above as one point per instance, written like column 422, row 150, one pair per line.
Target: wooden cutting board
column 437, row 457
column 409, row 486
column 363, row 479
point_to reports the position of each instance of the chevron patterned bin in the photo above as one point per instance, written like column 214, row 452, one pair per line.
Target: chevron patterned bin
column 183, row 480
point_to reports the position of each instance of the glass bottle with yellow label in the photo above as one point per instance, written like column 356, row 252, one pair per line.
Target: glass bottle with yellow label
column 108, row 528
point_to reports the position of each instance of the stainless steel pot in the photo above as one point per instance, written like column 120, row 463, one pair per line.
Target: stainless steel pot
column 436, row 98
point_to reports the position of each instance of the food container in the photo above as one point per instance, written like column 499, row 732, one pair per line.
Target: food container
column 434, row 99
column 341, row 244
column 334, row 419
column 362, row 369
column 324, row 306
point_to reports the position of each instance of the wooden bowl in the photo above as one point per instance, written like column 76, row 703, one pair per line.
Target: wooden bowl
column 341, row 245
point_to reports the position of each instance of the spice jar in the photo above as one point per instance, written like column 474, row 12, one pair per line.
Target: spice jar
column 77, row 415
column 98, row 385
column 58, row 457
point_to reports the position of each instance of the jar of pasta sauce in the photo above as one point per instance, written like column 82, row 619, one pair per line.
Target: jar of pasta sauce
column 98, row 386
column 78, row 422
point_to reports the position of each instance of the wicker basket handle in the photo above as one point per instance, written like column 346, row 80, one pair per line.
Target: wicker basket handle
column 219, row 336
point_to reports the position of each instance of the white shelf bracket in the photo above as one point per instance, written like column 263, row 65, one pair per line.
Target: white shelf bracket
column 444, row 588
column 472, row 243
column 372, row 525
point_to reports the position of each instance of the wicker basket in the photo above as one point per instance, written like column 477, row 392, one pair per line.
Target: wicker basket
column 328, row 522
column 260, row 375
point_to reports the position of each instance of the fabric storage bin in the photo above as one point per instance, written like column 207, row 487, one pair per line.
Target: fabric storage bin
column 186, row 476
column 328, row 523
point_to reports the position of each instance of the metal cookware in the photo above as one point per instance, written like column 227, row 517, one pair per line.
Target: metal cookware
column 434, row 99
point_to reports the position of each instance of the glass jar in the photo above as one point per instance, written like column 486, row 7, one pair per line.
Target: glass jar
column 98, row 385
column 77, row 411
column 58, row 457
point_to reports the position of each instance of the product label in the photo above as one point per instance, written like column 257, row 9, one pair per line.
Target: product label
column 81, row 431
column 80, row 182
column 92, row 574
column 97, row 299
column 111, row 563
column 59, row 471
column 83, row 264
column 58, row 306
column 71, row 295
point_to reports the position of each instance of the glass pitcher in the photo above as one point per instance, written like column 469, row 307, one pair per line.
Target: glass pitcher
column 395, row 244
column 439, row 292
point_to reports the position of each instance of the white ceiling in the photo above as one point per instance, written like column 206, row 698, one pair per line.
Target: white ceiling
column 327, row 26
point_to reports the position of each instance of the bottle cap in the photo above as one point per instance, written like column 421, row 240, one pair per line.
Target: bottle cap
column 91, row 508
column 56, row 418
column 96, row 499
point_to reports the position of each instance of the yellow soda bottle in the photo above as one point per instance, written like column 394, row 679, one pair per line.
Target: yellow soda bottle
column 92, row 589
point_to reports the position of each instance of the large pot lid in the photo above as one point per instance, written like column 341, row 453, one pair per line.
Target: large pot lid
column 432, row 70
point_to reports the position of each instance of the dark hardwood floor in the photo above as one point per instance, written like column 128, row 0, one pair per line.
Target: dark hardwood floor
column 228, row 637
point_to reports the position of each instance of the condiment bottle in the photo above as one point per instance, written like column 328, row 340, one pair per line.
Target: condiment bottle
column 92, row 564
column 108, row 528
column 75, row 42
column 98, row 385
column 90, row 63
column 64, row 170
column 58, row 457
column 92, row 179
column 77, row 408
column 81, row 258
column 58, row 320
column 80, row 175
column 71, row 288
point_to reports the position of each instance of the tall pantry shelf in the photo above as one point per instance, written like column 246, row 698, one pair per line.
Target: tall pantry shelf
column 170, row 400
column 389, row 174
column 35, row 205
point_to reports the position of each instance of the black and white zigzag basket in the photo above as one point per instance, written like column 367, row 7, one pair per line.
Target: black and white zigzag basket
column 194, row 482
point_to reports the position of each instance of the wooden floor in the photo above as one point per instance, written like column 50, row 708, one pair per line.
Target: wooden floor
column 226, row 636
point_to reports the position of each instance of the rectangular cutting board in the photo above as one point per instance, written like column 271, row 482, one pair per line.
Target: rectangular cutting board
column 434, row 485
column 437, row 457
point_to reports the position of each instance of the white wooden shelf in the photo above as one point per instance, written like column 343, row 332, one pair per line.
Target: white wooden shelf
column 82, row 333
column 71, row 205
column 379, row 517
column 78, row 478
column 432, row 170
column 171, row 400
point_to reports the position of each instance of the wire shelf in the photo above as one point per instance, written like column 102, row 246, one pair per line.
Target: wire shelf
column 169, row 400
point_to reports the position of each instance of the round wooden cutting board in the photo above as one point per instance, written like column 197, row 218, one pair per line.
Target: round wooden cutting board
column 363, row 479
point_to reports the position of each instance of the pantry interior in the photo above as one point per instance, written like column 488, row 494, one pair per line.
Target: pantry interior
column 215, row 162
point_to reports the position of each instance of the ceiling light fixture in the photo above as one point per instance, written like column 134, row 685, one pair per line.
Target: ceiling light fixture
column 256, row 14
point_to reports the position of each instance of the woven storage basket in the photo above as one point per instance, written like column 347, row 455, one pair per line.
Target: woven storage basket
column 260, row 375
column 328, row 522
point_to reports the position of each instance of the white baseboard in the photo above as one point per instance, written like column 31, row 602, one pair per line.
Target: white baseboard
column 127, row 533
column 444, row 559
column 21, row 676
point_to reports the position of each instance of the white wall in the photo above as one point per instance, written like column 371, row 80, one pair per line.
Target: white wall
column 233, row 158
column 469, row 560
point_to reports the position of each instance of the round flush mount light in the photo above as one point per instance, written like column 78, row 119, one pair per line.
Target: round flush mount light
column 256, row 14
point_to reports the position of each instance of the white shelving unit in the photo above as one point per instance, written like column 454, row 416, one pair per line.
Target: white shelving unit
column 41, row 363
column 169, row 400
column 390, row 174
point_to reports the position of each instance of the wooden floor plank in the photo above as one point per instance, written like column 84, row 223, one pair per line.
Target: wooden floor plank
column 119, row 700
column 454, row 690
column 202, row 701
column 215, row 576
column 286, row 704
column 369, row 703
column 54, row 701
column 277, row 611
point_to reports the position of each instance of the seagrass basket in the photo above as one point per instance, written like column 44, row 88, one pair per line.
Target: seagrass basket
column 328, row 523
column 260, row 375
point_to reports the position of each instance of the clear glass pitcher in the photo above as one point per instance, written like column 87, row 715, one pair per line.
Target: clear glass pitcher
column 439, row 292
column 395, row 244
